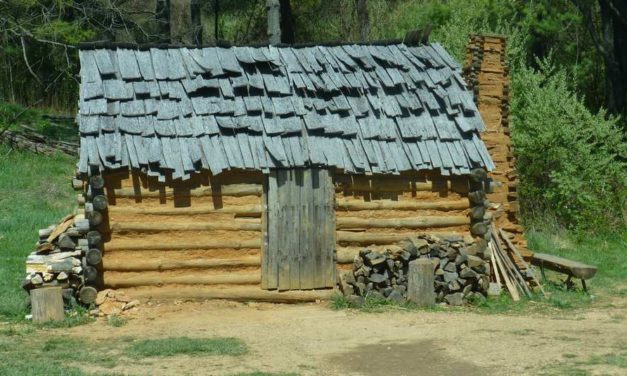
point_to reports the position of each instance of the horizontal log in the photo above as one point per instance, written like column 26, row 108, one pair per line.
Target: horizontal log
column 138, row 264
column 224, row 190
column 188, row 226
column 192, row 210
column 357, row 205
column 368, row 238
column 414, row 222
column 392, row 186
column 236, row 293
column 142, row 245
column 129, row 279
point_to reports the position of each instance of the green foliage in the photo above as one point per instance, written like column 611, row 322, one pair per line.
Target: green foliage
column 187, row 346
column 571, row 161
column 35, row 193
column 116, row 321
column 64, row 32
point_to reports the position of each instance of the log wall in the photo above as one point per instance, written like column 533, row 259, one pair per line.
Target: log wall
column 206, row 234
column 382, row 210
column 206, row 231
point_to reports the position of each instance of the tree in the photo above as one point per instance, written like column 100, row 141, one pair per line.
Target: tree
column 363, row 23
column 610, row 39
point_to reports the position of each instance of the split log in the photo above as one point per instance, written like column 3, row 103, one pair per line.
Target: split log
column 236, row 293
column 357, row 205
column 188, row 226
column 415, row 222
column 47, row 304
column 193, row 210
column 129, row 279
column 236, row 190
column 174, row 246
column 139, row 264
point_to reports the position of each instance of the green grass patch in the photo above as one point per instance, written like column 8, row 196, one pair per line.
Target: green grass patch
column 36, row 193
column 12, row 115
column 187, row 346
column 116, row 321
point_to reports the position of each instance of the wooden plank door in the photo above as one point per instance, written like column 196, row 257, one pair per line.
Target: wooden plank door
column 299, row 230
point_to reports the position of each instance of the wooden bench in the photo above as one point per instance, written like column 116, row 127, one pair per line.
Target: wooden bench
column 569, row 267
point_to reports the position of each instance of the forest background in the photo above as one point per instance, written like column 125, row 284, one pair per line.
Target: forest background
column 568, row 64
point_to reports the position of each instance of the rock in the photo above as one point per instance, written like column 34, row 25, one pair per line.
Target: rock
column 451, row 254
column 350, row 278
column 454, row 286
column 110, row 307
column 94, row 312
column 474, row 261
column 450, row 267
column 409, row 247
column 361, row 288
column 62, row 276
column 48, row 277
column 468, row 273
column 467, row 289
column 456, row 299
column 102, row 296
column 396, row 297
column 374, row 294
column 448, row 277
column 131, row 304
column 460, row 259
column 377, row 278
column 37, row 280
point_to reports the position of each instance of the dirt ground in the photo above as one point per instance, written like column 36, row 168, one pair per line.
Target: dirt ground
column 312, row 339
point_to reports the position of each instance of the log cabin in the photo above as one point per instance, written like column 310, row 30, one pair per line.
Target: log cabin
column 257, row 173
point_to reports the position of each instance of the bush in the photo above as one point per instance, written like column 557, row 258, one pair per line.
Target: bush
column 571, row 161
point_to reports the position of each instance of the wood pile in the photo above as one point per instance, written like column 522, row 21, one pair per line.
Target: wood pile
column 461, row 267
column 69, row 254
column 27, row 138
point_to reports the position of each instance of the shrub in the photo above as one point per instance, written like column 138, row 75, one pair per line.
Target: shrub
column 571, row 161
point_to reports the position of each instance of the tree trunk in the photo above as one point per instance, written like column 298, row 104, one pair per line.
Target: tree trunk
column 274, row 21
column 195, row 9
column 614, row 14
column 162, row 14
column 287, row 22
column 363, row 21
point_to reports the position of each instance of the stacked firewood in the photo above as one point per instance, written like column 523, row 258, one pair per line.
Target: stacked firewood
column 69, row 254
column 461, row 267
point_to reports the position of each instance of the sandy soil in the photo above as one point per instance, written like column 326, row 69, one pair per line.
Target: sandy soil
column 312, row 339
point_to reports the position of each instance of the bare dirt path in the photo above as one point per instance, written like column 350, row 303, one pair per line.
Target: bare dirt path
column 312, row 339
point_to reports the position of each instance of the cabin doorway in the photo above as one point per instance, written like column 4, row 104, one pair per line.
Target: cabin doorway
column 298, row 251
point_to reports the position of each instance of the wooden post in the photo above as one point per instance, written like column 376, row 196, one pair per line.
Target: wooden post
column 47, row 304
column 420, row 283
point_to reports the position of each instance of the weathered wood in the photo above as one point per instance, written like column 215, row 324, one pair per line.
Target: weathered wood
column 186, row 226
column 96, row 182
column 283, row 228
column 367, row 238
column 63, row 225
column 147, row 278
column 563, row 265
column 307, row 226
column 93, row 256
column 330, row 235
column 236, row 293
column 100, row 203
column 47, row 304
column 415, row 222
column 508, row 282
column 420, row 283
column 271, row 253
column 264, row 237
column 87, row 294
column 139, row 264
column 357, row 205
column 119, row 245
column 95, row 218
column 77, row 184
column 393, row 186
column 192, row 210
column 294, row 231
column 236, row 190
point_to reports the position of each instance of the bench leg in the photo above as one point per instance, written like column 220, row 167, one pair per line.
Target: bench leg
column 583, row 284
column 569, row 283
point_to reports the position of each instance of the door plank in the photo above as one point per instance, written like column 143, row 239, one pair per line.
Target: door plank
column 306, row 236
column 271, row 261
column 283, row 233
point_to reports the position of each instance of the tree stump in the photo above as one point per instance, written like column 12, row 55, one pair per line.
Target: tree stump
column 47, row 304
column 420, row 283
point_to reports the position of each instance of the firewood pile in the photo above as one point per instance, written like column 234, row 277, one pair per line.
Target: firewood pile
column 69, row 254
column 27, row 138
column 461, row 267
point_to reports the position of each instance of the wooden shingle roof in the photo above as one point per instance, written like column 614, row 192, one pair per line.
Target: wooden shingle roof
column 362, row 108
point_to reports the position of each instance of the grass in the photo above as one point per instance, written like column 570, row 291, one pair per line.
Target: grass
column 187, row 346
column 12, row 114
column 35, row 192
column 26, row 350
